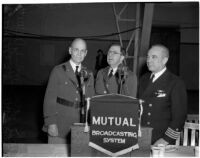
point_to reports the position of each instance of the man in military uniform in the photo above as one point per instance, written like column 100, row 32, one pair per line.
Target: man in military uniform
column 116, row 78
column 165, row 98
column 63, row 94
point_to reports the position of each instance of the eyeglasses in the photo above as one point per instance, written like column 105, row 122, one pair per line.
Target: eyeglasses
column 113, row 53
column 76, row 50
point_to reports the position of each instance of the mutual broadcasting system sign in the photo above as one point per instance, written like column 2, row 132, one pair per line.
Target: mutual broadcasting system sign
column 114, row 124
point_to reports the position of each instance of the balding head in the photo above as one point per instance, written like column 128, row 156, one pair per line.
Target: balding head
column 79, row 41
column 78, row 50
column 157, row 58
column 161, row 48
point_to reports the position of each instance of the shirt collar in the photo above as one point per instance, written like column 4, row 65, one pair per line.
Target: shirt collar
column 114, row 70
column 158, row 74
column 74, row 65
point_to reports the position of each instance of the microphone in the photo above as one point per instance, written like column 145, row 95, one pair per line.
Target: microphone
column 123, row 70
column 83, row 76
column 84, row 73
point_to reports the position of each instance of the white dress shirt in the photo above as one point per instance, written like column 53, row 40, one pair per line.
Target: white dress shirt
column 158, row 74
column 74, row 66
column 114, row 70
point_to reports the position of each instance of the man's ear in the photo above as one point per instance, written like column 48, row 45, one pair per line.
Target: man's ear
column 86, row 52
column 122, row 58
column 165, row 59
column 70, row 50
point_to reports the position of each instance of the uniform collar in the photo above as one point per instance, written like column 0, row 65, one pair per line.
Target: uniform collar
column 114, row 70
column 74, row 65
column 158, row 74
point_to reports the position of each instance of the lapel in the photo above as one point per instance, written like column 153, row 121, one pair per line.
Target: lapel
column 70, row 74
column 151, row 87
column 105, row 74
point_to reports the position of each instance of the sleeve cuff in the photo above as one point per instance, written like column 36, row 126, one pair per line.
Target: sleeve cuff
column 171, row 135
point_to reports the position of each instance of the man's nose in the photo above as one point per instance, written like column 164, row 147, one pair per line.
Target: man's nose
column 79, row 53
column 109, row 54
column 149, row 60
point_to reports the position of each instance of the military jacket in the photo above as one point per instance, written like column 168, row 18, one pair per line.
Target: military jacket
column 106, row 85
column 62, row 98
column 165, row 105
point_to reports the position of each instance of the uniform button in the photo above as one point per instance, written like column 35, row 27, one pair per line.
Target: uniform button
column 149, row 113
column 106, row 85
column 150, row 105
column 104, row 92
column 76, row 99
column 77, row 92
column 177, row 129
column 65, row 82
column 148, row 123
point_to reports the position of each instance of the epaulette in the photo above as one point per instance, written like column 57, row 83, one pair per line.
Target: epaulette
column 64, row 67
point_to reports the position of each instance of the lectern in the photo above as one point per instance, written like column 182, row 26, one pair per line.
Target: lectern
column 80, row 141
column 114, row 129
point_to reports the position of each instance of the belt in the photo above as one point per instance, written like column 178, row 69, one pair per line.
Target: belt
column 68, row 103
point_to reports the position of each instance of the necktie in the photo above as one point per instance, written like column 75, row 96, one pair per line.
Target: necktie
column 77, row 76
column 152, row 77
column 76, row 72
column 110, row 74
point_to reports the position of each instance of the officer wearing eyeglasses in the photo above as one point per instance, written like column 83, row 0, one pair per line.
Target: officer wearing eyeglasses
column 108, row 79
column 63, row 94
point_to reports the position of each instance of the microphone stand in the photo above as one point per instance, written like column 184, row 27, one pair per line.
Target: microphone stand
column 122, row 76
column 120, row 83
column 82, row 107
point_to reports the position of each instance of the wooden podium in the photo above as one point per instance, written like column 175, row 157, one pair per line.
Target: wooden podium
column 80, row 141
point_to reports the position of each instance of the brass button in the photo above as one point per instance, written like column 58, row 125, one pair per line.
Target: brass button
column 148, row 123
column 150, row 105
column 104, row 92
column 149, row 113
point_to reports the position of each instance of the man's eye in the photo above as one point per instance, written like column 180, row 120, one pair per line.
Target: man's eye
column 83, row 51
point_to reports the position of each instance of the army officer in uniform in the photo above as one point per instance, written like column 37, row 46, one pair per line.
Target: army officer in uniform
column 165, row 98
column 116, row 78
column 63, row 94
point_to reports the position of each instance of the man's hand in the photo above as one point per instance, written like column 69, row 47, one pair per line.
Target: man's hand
column 161, row 141
column 53, row 130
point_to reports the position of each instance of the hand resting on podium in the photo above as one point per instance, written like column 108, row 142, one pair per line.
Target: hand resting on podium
column 53, row 130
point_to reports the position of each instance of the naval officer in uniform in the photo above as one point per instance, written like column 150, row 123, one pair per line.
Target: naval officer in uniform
column 165, row 98
column 63, row 94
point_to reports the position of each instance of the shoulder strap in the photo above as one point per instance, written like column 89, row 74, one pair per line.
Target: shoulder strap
column 64, row 67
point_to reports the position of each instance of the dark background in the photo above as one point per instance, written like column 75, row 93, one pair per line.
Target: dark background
column 27, row 61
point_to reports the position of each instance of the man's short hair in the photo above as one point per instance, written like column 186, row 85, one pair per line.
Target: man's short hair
column 163, row 48
column 122, row 49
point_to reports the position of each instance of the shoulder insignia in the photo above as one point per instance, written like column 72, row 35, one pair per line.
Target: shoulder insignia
column 64, row 67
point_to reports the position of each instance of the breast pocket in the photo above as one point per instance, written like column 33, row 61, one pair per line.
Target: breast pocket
column 66, row 88
column 162, row 104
